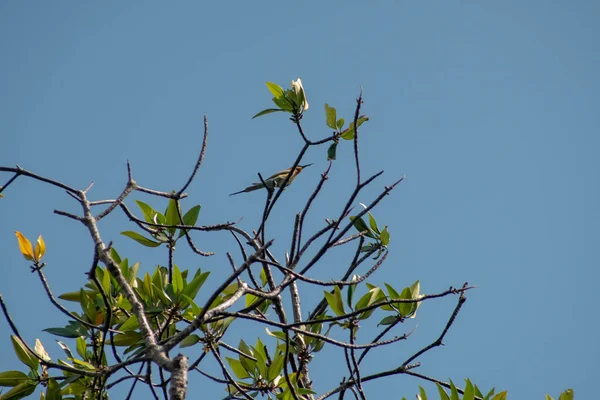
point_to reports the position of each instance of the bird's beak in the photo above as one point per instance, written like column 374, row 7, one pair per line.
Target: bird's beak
column 304, row 166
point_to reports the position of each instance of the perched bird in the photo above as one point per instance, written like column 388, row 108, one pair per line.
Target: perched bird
column 275, row 180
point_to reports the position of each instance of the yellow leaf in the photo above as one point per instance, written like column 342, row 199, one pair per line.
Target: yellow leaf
column 99, row 318
column 40, row 249
column 24, row 246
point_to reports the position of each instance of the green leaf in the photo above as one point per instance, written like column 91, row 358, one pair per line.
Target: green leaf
column 348, row 133
column 267, row 111
column 350, row 294
column 63, row 332
column 275, row 89
column 392, row 292
column 140, row 239
column 12, row 378
column 87, row 305
column 390, row 319
column 261, row 358
column 330, row 116
column 20, row 391
column 115, row 256
column 131, row 324
column 453, row 391
column 127, row 338
column 177, row 280
column 373, row 223
column 248, row 363
column 500, row 396
column 442, row 392
column 372, row 296
column 81, row 346
column 172, row 216
column 189, row 341
column 567, row 395
column 385, row 236
column 190, row 218
column 276, row 334
column 284, row 103
column 237, row 368
column 331, row 152
column 275, row 367
column 105, row 281
column 335, row 301
column 406, row 309
column 422, row 394
column 361, row 226
column 469, row 391
column 340, row 123
column 487, row 396
column 148, row 211
column 192, row 288
column 53, row 390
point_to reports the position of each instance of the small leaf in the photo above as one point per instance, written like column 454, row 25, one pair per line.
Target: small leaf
column 453, row 391
column 348, row 134
column 406, row 309
column 350, row 293
column 469, row 393
column 130, row 324
column 172, row 216
column 361, row 226
column 267, row 111
column 192, row 288
column 277, row 334
column 275, row 367
column 40, row 248
column 567, row 395
column 237, row 368
column 12, row 378
column 385, row 236
column 189, row 341
column 331, row 151
column 177, row 280
column 275, row 89
column 373, row 223
column 340, row 123
column 373, row 295
column 81, row 346
column 423, row 395
column 20, row 391
column 25, row 246
column 190, row 218
column 140, row 239
column 284, row 103
column 53, row 390
column 23, row 354
column 442, row 392
column 335, row 301
column 500, row 396
column 390, row 319
column 63, row 332
column 148, row 211
column 330, row 116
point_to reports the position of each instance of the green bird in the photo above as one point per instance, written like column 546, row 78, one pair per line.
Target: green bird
column 275, row 180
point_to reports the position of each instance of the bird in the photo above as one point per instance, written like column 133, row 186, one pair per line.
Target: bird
column 275, row 180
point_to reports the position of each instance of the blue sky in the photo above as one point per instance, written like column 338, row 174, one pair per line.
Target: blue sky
column 489, row 108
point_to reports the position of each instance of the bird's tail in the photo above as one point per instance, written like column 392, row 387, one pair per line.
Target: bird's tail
column 241, row 191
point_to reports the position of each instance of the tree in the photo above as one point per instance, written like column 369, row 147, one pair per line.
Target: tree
column 128, row 326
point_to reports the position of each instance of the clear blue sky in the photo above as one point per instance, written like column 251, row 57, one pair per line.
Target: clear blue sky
column 491, row 109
